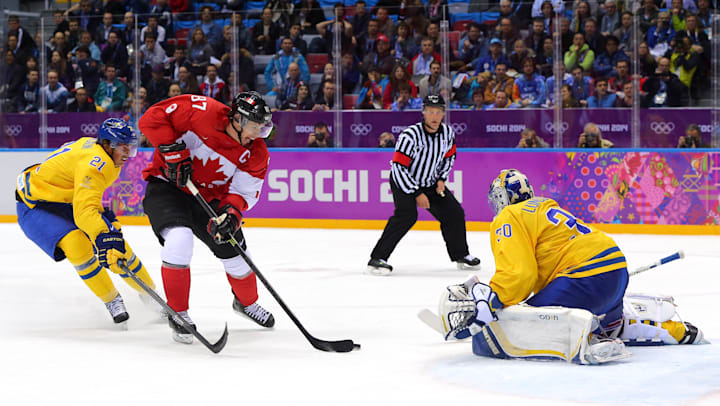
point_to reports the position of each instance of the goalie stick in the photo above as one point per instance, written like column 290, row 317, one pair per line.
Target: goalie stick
column 322, row 345
column 434, row 321
column 216, row 348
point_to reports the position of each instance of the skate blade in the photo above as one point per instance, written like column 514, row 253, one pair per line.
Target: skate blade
column 183, row 338
column 122, row 326
column 464, row 266
column 378, row 271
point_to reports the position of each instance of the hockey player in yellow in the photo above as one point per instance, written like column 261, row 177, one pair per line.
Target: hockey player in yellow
column 59, row 207
column 544, row 257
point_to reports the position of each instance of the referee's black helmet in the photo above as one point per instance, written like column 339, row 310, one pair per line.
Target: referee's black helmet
column 434, row 100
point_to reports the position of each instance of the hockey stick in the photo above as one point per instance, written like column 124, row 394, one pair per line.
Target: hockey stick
column 322, row 345
column 216, row 348
column 434, row 321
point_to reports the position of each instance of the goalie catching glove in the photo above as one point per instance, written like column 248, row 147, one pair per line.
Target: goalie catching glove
column 466, row 308
column 178, row 163
column 111, row 249
column 225, row 225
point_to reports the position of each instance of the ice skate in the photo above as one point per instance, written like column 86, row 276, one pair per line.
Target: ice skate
column 180, row 333
column 379, row 267
column 605, row 350
column 117, row 310
column 468, row 262
column 255, row 312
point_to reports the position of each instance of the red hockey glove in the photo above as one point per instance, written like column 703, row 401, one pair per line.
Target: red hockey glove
column 225, row 225
column 179, row 165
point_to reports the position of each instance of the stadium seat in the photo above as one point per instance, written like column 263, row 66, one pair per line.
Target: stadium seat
column 349, row 101
column 182, row 33
column 316, row 62
column 261, row 61
column 260, row 85
column 454, row 37
column 454, row 8
column 461, row 25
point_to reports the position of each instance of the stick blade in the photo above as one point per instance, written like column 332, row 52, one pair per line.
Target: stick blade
column 335, row 346
column 431, row 320
column 220, row 344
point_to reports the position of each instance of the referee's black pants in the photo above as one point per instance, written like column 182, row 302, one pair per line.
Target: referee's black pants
column 447, row 210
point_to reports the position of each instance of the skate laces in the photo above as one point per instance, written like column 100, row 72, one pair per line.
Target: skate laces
column 116, row 306
column 257, row 312
column 185, row 316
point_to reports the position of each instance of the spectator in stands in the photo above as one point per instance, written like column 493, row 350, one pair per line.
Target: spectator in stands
column 371, row 94
column 199, row 52
column 360, row 19
column 157, row 87
column 488, row 63
column 478, row 100
column 11, row 78
column 582, row 86
column 435, row 10
column 297, row 40
column 56, row 95
column 704, row 15
column 683, row 59
column 519, row 54
column 611, row 18
column 212, row 31
column 545, row 59
column 403, row 101
column 177, row 61
column 529, row 139
column 183, row 8
column 381, row 58
column 502, row 101
column 244, row 40
column 246, row 71
column 87, row 70
column 537, row 36
column 580, row 15
column 151, row 54
column 579, row 54
column 471, row 46
column 399, row 75
column 64, row 70
column 265, row 33
column 276, row 70
column 287, row 89
column 529, row 89
column 86, row 41
column 386, row 140
column 28, row 98
column 366, row 41
column 320, row 138
column 72, row 35
column 327, row 101
column 300, row 101
column 678, row 15
column 164, row 14
column 692, row 138
column 156, row 29
column 627, row 96
column 282, row 9
column 567, row 79
column 31, row 63
column 648, row 15
column 568, row 100
column 414, row 17
column 546, row 10
column 500, row 82
column 605, row 62
column 115, row 53
column 700, row 45
column 602, row 97
column 647, row 62
column 616, row 83
column 624, row 33
column 327, row 75
column 517, row 11
column 224, row 45
column 127, row 35
column 660, row 35
column 433, row 32
column 591, row 137
column 350, row 73
column 187, row 81
column 434, row 83
column 111, row 92
column 212, row 86
column 593, row 38
column 173, row 90
column 506, row 33
column 103, row 29
column 385, row 23
column 61, row 23
column 81, row 104
column 663, row 88
column 566, row 34
column 59, row 43
column 404, row 43
column 87, row 16
column 309, row 13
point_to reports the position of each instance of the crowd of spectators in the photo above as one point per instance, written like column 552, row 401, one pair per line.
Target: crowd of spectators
column 390, row 54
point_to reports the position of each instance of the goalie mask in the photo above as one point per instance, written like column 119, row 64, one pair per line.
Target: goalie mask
column 456, row 309
column 510, row 187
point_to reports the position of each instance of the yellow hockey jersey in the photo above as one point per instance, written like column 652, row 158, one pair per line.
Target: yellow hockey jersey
column 536, row 241
column 76, row 173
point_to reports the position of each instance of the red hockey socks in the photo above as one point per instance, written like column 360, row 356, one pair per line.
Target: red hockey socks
column 176, row 281
column 245, row 289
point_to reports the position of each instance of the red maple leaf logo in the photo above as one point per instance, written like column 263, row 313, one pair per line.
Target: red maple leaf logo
column 208, row 173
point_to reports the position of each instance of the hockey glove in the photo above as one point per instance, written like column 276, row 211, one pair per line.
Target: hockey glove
column 486, row 302
column 225, row 225
column 111, row 249
column 178, row 163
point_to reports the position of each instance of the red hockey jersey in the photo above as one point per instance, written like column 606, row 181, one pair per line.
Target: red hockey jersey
column 223, row 169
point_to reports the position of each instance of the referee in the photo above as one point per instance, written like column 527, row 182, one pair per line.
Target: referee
column 424, row 156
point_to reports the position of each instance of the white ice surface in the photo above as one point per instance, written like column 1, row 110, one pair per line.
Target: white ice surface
column 58, row 345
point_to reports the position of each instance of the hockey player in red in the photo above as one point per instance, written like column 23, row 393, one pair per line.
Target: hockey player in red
column 221, row 149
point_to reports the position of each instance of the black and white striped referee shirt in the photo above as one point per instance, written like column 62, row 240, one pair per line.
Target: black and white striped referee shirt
column 421, row 158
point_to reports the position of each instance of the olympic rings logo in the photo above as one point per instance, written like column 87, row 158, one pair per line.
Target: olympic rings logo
column 459, row 128
column 13, row 130
column 550, row 127
column 89, row 129
column 360, row 129
column 662, row 127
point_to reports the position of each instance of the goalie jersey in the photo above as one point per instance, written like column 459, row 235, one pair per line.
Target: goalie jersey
column 535, row 242
column 76, row 173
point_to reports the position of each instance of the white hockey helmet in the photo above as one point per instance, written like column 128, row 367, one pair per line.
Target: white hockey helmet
column 509, row 187
column 456, row 309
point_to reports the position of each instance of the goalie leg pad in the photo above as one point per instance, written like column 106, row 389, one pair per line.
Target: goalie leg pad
column 545, row 333
column 648, row 320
